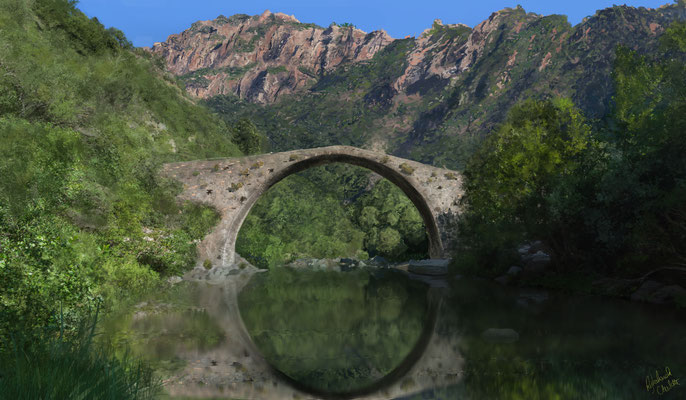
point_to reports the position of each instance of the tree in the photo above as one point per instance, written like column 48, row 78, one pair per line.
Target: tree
column 650, row 115
column 247, row 137
column 516, row 183
column 512, row 173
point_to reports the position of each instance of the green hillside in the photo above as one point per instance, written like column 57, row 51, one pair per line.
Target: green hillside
column 85, row 122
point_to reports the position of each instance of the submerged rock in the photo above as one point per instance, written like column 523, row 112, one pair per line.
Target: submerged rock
column 532, row 297
column 495, row 335
column 431, row 280
column 436, row 266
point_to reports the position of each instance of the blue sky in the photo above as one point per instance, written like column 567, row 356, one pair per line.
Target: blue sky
column 147, row 21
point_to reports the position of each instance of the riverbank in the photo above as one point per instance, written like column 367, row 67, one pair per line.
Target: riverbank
column 535, row 268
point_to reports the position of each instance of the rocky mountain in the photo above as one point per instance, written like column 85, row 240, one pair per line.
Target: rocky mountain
column 263, row 57
column 431, row 98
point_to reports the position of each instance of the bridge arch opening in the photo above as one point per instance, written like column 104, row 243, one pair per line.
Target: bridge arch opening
column 435, row 245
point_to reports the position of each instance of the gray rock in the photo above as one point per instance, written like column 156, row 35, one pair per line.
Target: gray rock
column 536, row 246
column 514, row 270
column 173, row 280
column 646, row 289
column 536, row 262
column 347, row 268
column 378, row 260
column 429, row 267
column 495, row 335
column 667, row 294
column 523, row 249
column 503, row 279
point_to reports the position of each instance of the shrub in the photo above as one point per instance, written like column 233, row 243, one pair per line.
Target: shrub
column 235, row 186
column 406, row 168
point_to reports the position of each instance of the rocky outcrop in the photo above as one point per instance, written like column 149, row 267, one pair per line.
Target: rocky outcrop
column 262, row 57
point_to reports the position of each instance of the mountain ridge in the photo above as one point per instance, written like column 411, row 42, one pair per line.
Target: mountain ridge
column 437, row 93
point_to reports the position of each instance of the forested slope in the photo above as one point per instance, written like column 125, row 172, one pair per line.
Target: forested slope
column 85, row 122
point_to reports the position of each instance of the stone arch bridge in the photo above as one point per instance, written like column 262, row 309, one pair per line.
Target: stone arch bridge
column 233, row 186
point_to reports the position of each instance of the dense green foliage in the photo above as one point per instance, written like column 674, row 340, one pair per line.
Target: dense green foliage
column 297, row 219
column 332, row 211
column 295, row 318
column 611, row 198
column 392, row 225
column 85, row 122
column 247, row 137
column 517, row 183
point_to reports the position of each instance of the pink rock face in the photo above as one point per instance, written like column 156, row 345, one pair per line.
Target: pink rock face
column 262, row 57
column 449, row 58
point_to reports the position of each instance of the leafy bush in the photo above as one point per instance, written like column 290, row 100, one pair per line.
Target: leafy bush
column 406, row 168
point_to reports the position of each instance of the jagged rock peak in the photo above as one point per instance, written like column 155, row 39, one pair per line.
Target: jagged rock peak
column 262, row 57
column 266, row 14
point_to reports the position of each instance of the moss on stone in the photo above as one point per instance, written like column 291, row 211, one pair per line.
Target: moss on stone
column 406, row 168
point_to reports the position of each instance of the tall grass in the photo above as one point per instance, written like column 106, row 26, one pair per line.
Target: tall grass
column 68, row 366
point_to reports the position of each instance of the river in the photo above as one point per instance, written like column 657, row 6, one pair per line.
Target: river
column 374, row 333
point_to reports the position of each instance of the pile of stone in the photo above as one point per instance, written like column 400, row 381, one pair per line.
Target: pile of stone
column 534, row 258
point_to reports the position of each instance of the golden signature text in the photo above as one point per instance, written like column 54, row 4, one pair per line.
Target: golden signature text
column 661, row 384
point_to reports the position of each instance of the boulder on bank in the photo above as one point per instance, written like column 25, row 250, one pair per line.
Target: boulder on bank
column 646, row 289
column 536, row 262
column 436, row 266
column 657, row 293
column 534, row 257
column 378, row 261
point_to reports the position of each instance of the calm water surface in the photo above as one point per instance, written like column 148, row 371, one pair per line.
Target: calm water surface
column 345, row 332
